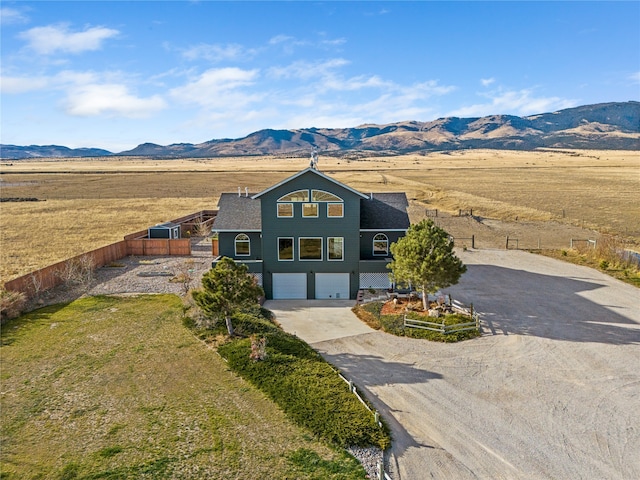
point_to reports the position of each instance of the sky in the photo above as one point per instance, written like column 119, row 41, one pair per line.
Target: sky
column 117, row 74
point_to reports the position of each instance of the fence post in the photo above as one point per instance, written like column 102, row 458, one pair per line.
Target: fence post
column 380, row 471
column 507, row 247
column 473, row 241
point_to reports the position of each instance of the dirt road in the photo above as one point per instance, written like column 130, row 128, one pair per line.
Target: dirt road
column 552, row 389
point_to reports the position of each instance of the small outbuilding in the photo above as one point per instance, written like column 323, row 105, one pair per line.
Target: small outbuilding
column 165, row 230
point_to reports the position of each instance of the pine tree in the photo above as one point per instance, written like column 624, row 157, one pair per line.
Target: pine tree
column 227, row 288
column 424, row 257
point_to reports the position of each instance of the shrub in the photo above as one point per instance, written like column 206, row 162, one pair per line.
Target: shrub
column 394, row 324
column 11, row 304
column 299, row 380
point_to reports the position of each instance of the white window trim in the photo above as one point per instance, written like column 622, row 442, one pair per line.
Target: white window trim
column 335, row 203
column 295, row 191
column 285, row 216
column 329, row 259
column 340, row 200
column 317, row 210
column 293, row 250
column 235, row 245
column 310, row 259
column 373, row 243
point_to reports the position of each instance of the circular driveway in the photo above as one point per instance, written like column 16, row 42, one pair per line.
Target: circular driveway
column 551, row 389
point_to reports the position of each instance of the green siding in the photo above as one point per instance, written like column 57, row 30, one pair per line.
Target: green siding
column 226, row 245
column 323, row 227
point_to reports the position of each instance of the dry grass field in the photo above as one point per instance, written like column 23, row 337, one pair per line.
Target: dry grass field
column 94, row 202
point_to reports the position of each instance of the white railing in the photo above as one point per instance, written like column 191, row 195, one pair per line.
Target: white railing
column 382, row 475
column 440, row 327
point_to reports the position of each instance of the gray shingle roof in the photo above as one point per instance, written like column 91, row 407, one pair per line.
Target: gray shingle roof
column 385, row 211
column 238, row 213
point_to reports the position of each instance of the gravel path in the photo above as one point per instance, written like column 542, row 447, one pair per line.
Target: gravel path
column 551, row 390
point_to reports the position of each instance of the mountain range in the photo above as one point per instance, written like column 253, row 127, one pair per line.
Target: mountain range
column 604, row 126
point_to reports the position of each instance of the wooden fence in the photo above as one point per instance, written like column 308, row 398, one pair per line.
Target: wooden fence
column 52, row 276
column 382, row 475
column 474, row 324
column 133, row 244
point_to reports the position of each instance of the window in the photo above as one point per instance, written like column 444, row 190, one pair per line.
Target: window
column 243, row 245
column 285, row 210
column 309, row 209
column 380, row 244
column 335, row 248
column 322, row 196
column 310, row 248
column 335, row 210
column 285, row 249
column 297, row 196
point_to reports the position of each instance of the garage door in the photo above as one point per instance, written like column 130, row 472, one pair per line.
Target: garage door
column 332, row 285
column 289, row 286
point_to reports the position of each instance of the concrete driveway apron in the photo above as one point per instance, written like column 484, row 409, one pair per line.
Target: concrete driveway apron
column 317, row 320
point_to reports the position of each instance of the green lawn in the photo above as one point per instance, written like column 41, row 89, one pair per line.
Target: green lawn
column 116, row 388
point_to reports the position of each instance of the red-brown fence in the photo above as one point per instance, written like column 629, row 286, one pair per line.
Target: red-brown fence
column 133, row 244
column 158, row 246
column 52, row 276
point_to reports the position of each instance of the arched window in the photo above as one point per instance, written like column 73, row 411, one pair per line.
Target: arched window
column 297, row 196
column 243, row 245
column 322, row 196
column 380, row 244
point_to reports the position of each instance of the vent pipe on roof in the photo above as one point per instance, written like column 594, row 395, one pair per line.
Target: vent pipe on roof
column 371, row 196
column 239, row 192
column 246, row 191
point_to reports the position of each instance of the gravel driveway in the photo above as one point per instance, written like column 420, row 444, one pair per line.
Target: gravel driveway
column 552, row 389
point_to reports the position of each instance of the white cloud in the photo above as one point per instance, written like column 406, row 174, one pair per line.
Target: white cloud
column 14, row 85
column 217, row 87
column 110, row 99
column 635, row 77
column 513, row 102
column 217, row 53
column 487, row 81
column 10, row 16
column 53, row 38
column 307, row 70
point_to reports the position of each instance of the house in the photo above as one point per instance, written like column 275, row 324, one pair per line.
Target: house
column 312, row 237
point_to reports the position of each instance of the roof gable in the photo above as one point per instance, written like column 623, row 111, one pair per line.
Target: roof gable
column 306, row 172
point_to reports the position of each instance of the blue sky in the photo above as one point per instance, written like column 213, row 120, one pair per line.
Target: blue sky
column 116, row 74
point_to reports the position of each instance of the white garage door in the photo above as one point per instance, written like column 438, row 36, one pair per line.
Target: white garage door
column 332, row 285
column 289, row 286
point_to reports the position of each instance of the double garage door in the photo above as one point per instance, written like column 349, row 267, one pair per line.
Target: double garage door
column 294, row 285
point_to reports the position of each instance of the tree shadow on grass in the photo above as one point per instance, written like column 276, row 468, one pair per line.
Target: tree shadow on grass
column 560, row 308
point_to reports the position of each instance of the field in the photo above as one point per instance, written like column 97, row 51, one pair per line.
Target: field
column 110, row 387
column 547, row 195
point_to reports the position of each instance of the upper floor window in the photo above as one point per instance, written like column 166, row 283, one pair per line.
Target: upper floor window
column 335, row 210
column 380, row 244
column 297, row 196
column 243, row 245
column 322, row 196
column 285, row 210
column 309, row 209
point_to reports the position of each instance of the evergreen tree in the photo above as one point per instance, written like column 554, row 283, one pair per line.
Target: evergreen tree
column 227, row 288
column 424, row 257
